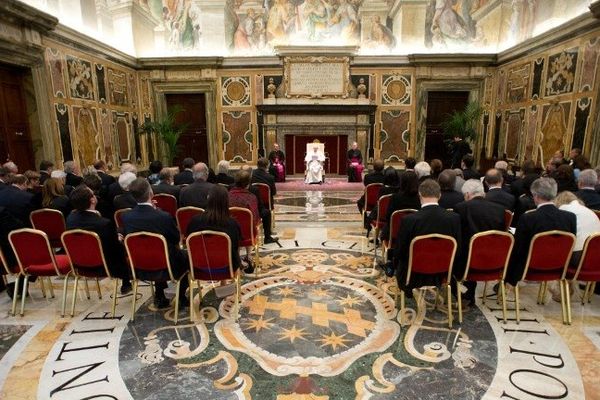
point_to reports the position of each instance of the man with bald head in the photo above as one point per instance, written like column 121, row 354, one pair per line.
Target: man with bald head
column 196, row 194
column 496, row 193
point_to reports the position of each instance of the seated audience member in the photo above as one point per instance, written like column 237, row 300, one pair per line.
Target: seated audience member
column 372, row 177
column 165, row 183
column 565, row 178
column 559, row 158
column 216, row 218
column 545, row 218
column 409, row 164
column 196, row 193
column 460, row 179
column 261, row 175
column 73, row 177
column 467, row 168
column 436, row 168
column 580, row 163
column 53, row 196
column 46, row 168
column 4, row 178
column 240, row 196
column 525, row 201
column 9, row 223
column 85, row 216
column 277, row 161
column 507, row 178
column 431, row 218
column 355, row 164
column 17, row 200
column 114, row 189
column 263, row 209
column 496, row 193
column 223, row 173
column 186, row 177
column 597, row 170
column 528, row 169
column 588, row 179
column 12, row 168
column 34, row 187
column 154, row 168
column 423, row 171
column 407, row 197
column 145, row 217
column 450, row 197
column 125, row 199
column 106, row 178
column 103, row 206
column 390, row 186
column 573, row 154
column 476, row 215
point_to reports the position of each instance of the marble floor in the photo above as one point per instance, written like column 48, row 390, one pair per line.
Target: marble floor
column 316, row 321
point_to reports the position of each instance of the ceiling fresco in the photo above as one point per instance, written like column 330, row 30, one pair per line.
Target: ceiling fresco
column 155, row 28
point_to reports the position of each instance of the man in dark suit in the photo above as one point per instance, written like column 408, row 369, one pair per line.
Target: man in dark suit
column 46, row 168
column 546, row 217
column 165, row 184
column 372, row 177
column 476, row 215
column 263, row 210
column 17, row 200
column 588, row 179
column 431, row 218
column 186, row 177
column 125, row 199
column 73, row 177
column 459, row 149
column 145, row 217
column 86, row 217
column 517, row 187
column 196, row 194
column 494, row 180
column 100, row 167
column 114, row 189
column 467, row 168
column 450, row 197
column 261, row 175
column 4, row 178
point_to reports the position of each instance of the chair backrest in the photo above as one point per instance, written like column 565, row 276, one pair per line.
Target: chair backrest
column 371, row 193
column 431, row 254
column 210, row 255
column 33, row 252
column 508, row 217
column 396, row 221
column 166, row 202
column 119, row 217
column 9, row 269
column 265, row 194
column 51, row 222
column 382, row 206
column 590, row 257
column 84, row 250
column 549, row 255
column 489, row 253
column 183, row 216
column 243, row 216
column 147, row 252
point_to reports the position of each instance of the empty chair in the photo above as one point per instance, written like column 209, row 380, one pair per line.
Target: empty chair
column 489, row 253
column 371, row 197
column 380, row 222
column 588, row 269
column 183, row 217
column 36, row 258
column 166, row 202
column 249, row 230
column 51, row 222
column 210, row 260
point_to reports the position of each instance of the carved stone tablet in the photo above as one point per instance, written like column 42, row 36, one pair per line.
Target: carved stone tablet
column 316, row 77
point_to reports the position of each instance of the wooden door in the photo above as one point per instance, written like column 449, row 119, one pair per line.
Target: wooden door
column 194, row 140
column 15, row 136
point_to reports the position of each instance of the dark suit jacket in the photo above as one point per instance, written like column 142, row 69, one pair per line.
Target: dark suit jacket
column 114, row 253
column 107, row 179
column 545, row 218
column 450, row 198
column 517, row 187
column 195, row 194
column 199, row 223
column 62, row 204
column 43, row 176
column 373, row 177
column 430, row 219
column 225, row 179
column 185, row 177
column 262, row 176
column 124, row 200
column 501, row 197
column 167, row 189
column 114, row 189
column 73, row 180
column 148, row 219
column 470, row 173
column 590, row 198
column 19, row 203
column 8, row 223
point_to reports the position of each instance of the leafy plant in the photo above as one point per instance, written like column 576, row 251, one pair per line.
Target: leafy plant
column 463, row 123
column 167, row 131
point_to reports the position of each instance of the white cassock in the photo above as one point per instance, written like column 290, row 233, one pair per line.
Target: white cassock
column 314, row 167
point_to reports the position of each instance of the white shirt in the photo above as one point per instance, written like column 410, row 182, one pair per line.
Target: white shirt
column 429, row 204
column 587, row 222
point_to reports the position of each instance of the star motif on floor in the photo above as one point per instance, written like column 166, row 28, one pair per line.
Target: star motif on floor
column 258, row 324
column 320, row 292
column 286, row 291
column 334, row 340
column 292, row 334
column 349, row 301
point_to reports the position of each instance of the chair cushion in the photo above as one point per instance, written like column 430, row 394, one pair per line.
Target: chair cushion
column 62, row 262
column 586, row 276
column 216, row 274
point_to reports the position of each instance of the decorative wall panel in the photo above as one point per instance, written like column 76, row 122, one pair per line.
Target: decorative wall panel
column 62, row 121
column 117, row 87
column 532, row 128
column 589, row 64
column 235, row 91
column 395, row 135
column 237, row 136
column 582, row 115
column 396, row 90
column 561, row 72
column 122, row 129
column 538, row 70
column 554, row 126
column 80, row 78
column 101, row 83
column 56, row 71
column 514, row 133
column 518, row 83
column 87, row 133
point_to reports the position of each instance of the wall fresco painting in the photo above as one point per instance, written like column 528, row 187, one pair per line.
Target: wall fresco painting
column 237, row 136
column 87, row 134
column 554, row 129
column 80, row 78
column 181, row 19
column 56, row 71
column 449, row 23
column 395, row 135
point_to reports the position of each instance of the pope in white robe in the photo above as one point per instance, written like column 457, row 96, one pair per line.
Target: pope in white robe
column 314, row 166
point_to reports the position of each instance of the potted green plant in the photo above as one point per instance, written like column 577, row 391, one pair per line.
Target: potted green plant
column 463, row 124
column 167, row 130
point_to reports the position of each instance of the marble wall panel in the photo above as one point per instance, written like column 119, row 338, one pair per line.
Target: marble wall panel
column 237, row 135
column 107, row 137
column 396, row 89
column 80, row 78
column 560, row 77
column 589, row 64
column 121, row 130
column 554, row 129
column 532, row 128
column 235, row 91
column 87, row 134
column 63, row 123
column 514, row 133
column 582, row 115
column 117, row 87
column 57, row 72
column 518, row 83
column 394, row 135
column 101, row 83
column 538, row 70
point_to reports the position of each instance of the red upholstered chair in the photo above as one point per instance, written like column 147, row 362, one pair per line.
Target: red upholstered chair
column 210, row 260
column 51, row 222
column 432, row 255
column 380, row 222
column 265, row 194
column 249, row 238
column 148, row 253
column 371, row 197
column 548, row 260
column 36, row 258
column 183, row 217
column 508, row 217
column 84, row 250
column 395, row 222
column 166, row 202
column 119, row 218
column 588, row 269
column 14, row 270
column 489, row 253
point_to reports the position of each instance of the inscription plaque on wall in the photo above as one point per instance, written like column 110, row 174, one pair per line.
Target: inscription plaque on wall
column 316, row 77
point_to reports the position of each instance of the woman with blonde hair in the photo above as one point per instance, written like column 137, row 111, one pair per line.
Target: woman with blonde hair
column 53, row 196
